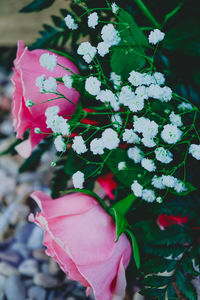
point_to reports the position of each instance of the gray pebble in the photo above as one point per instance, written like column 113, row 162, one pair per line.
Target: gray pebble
column 2, row 282
column 35, row 240
column 36, row 293
column 7, row 270
column 28, row 267
column 14, row 288
column 45, row 280
column 39, row 254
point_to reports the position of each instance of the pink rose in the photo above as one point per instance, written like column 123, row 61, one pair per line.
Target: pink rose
column 26, row 69
column 81, row 236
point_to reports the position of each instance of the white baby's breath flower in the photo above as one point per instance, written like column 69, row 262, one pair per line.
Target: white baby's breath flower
column 78, row 179
column 137, row 188
column 68, row 80
column 110, row 35
column 52, row 111
column 37, row 130
column 40, row 81
column 110, row 139
column 169, row 181
column 135, row 154
column 50, row 85
column 57, row 124
column 156, row 36
column 194, row 150
column 87, row 51
column 97, row 146
column 135, row 78
column 175, row 119
column 148, row 195
column 148, row 164
column 59, row 143
column 103, row 48
column 171, row 134
column 115, row 8
column 137, row 104
column 93, row 20
column 141, row 92
column 48, row 61
column 148, row 128
column 180, row 187
column 158, row 78
column 116, row 120
column 122, row 165
column 116, row 79
column 130, row 137
column 29, row 103
column 163, row 155
column 185, row 106
column 157, row 182
column 148, row 142
column 106, row 96
column 78, row 145
column 70, row 22
column 92, row 85
column 166, row 94
column 126, row 96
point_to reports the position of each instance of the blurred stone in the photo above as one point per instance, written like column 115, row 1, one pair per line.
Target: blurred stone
column 36, row 293
column 2, row 282
column 10, row 256
column 20, row 213
column 35, row 240
column 7, row 270
column 53, row 267
column 45, row 280
column 28, row 267
column 14, row 288
column 39, row 254
column 45, row 268
column 21, row 249
column 137, row 296
column 6, row 128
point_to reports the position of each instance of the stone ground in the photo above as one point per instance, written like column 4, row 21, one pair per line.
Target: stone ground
column 26, row 272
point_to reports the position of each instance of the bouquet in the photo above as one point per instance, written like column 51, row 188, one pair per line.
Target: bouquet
column 116, row 108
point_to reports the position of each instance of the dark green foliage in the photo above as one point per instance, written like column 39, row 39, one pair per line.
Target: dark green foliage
column 125, row 177
column 185, row 37
column 130, row 48
column 33, row 161
column 37, row 5
column 185, row 286
column 59, row 180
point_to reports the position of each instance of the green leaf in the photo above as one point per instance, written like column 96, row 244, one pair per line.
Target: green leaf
column 171, row 294
column 37, row 5
column 135, row 248
column 156, row 281
column 131, row 47
column 163, row 251
column 129, row 31
column 119, row 57
column 174, row 235
column 59, row 180
column 190, row 188
column 58, row 22
column 172, row 13
column 153, row 293
column 134, row 170
column 184, row 37
column 73, row 163
column 33, row 161
column 188, row 267
column 185, row 285
column 125, row 204
column 120, row 220
column 156, row 265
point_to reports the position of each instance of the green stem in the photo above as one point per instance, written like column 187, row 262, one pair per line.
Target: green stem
column 147, row 13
